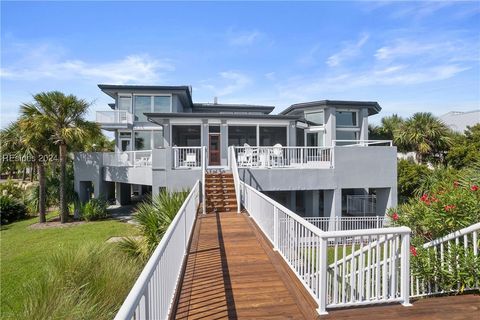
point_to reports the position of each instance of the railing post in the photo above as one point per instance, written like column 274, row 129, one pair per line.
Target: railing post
column 322, row 277
column 204, row 166
column 405, row 270
column 275, row 228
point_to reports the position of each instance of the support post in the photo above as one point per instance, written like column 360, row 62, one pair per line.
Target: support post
column 275, row 229
column 322, row 277
column 405, row 271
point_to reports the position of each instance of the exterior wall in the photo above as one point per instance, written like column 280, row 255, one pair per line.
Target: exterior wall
column 138, row 175
column 87, row 168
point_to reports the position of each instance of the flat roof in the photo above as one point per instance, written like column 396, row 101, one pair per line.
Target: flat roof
column 232, row 107
column 373, row 106
column 154, row 115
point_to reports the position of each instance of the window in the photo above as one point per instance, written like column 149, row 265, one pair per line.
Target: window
column 142, row 104
column 145, row 104
column 143, row 140
column 214, row 129
column 186, row 136
column 161, row 104
column 124, row 103
column 346, row 118
column 239, row 135
column 315, row 139
column 270, row 136
column 300, row 137
column 315, row 118
column 346, row 135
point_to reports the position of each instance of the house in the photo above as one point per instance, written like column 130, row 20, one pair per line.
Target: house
column 459, row 121
column 315, row 158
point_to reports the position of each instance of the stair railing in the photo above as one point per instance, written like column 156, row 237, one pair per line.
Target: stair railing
column 204, row 170
column 236, row 176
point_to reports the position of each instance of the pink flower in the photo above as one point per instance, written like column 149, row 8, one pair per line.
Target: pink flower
column 413, row 251
column 424, row 198
column 474, row 187
column 449, row 207
column 395, row 216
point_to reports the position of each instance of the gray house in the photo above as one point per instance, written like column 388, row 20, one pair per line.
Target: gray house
column 315, row 157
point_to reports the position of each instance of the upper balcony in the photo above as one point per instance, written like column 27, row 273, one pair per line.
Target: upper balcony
column 114, row 119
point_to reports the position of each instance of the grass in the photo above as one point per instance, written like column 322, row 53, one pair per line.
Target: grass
column 25, row 252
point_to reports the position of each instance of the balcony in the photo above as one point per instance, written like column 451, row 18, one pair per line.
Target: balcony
column 115, row 119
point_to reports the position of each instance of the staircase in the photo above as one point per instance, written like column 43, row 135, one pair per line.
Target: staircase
column 220, row 192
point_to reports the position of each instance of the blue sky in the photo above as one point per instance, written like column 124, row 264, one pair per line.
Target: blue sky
column 409, row 56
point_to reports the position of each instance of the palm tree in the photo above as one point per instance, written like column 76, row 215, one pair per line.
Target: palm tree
column 64, row 115
column 425, row 134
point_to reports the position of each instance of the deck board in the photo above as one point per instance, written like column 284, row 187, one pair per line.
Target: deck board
column 230, row 274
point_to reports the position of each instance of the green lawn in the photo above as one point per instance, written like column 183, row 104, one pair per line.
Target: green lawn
column 23, row 250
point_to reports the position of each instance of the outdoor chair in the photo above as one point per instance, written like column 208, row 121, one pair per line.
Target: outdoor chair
column 277, row 155
column 190, row 160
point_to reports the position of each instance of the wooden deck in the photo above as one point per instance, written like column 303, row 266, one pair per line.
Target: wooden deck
column 463, row 307
column 233, row 273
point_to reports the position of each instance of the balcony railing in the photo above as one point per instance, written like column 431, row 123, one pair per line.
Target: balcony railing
column 128, row 159
column 361, row 204
column 284, row 157
column 361, row 143
column 187, row 157
column 114, row 117
column 347, row 223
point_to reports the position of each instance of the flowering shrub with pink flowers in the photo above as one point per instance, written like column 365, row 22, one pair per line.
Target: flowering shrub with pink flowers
column 451, row 202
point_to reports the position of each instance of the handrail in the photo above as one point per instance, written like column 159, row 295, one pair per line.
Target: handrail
column 304, row 247
column 188, row 157
column 454, row 235
column 361, row 143
column 164, row 267
column 236, row 176
column 114, row 117
column 137, row 158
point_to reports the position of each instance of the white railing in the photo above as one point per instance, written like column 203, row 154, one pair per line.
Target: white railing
column 304, row 248
column 128, row 159
column 236, row 178
column 187, row 157
column 361, row 143
column 284, row 157
column 153, row 293
column 204, row 172
column 361, row 204
column 114, row 117
column 445, row 253
column 347, row 223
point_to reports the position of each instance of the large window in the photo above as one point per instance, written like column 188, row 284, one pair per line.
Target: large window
column 142, row 104
column 145, row 139
column 346, row 118
column 145, row 104
column 161, row 104
column 239, row 135
column 186, row 136
column 124, row 103
column 315, row 139
column 270, row 136
column 315, row 118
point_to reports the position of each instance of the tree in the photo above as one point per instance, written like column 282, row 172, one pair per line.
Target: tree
column 465, row 150
column 64, row 115
column 425, row 134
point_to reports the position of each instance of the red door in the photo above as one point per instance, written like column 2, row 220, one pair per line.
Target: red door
column 214, row 149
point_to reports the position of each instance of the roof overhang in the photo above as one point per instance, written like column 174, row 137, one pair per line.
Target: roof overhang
column 159, row 118
column 373, row 107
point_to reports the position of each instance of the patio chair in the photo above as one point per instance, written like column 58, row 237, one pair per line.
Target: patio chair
column 248, row 155
column 277, row 155
column 190, row 160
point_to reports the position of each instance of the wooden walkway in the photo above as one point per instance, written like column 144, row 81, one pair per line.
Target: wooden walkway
column 232, row 272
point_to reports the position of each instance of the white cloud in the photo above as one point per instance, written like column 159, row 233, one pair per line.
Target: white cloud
column 271, row 76
column 244, row 38
column 45, row 63
column 229, row 82
column 350, row 49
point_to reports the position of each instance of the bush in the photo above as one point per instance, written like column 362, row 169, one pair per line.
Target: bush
column 11, row 209
column 11, row 188
column 90, row 282
column 410, row 176
column 153, row 217
column 94, row 209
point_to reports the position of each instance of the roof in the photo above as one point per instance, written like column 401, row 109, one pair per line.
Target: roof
column 458, row 120
column 112, row 89
column 154, row 115
column 217, row 107
column 373, row 107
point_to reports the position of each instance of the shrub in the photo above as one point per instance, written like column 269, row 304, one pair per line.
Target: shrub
column 11, row 188
column 153, row 217
column 11, row 209
column 410, row 176
column 89, row 282
column 94, row 209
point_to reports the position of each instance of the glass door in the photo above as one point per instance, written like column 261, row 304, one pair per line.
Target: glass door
column 214, row 149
